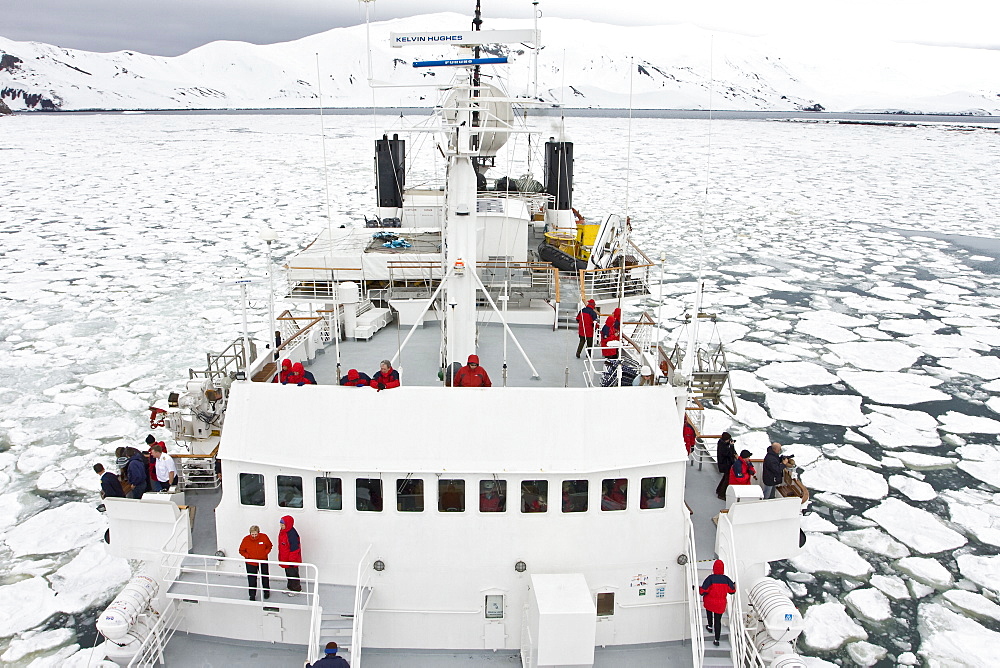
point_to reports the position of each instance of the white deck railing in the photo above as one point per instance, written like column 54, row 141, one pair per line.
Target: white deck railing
column 694, row 600
column 361, row 598
column 744, row 653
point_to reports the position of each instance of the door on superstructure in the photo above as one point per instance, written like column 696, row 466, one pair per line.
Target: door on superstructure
column 605, row 618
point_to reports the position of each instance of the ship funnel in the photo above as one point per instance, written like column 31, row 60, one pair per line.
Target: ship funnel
column 390, row 175
column 559, row 173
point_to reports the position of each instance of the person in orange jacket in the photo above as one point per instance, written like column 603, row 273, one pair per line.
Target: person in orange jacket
column 255, row 548
column 472, row 375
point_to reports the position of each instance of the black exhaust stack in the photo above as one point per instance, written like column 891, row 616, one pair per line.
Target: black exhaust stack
column 559, row 173
column 390, row 175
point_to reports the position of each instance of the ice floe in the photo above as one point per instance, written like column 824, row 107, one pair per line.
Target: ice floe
column 123, row 375
column 960, row 423
column 915, row 490
column 924, row 462
column 984, row 366
column 102, row 428
column 891, row 585
column 837, row 319
column 748, row 382
column 32, row 642
column 876, row 355
column 57, row 530
column 797, row 374
column 844, row 410
column 854, row 455
column 988, row 472
column 827, row 626
column 825, row 554
column 835, row 476
column 983, row 570
column 910, row 325
column 870, row 604
column 758, row 351
column 914, row 527
column 873, row 540
column 949, row 639
column 926, row 570
column 89, row 578
column 25, row 604
column 864, row 653
column 973, row 603
column 893, row 387
column 826, row 332
column 815, row 524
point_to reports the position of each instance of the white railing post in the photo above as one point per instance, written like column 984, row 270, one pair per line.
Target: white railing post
column 694, row 602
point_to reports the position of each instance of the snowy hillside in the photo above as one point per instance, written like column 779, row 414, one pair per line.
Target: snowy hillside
column 583, row 64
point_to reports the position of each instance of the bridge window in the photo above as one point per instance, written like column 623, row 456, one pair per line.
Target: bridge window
column 614, row 494
column 289, row 491
column 410, row 495
column 534, row 496
column 653, row 492
column 328, row 494
column 251, row 489
column 368, row 494
column 492, row 496
column 574, row 496
column 451, row 496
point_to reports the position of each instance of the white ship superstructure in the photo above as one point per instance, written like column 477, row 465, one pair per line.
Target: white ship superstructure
column 555, row 518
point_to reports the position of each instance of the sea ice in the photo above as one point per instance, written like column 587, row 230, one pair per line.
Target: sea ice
column 914, row 527
column 758, row 351
column 983, row 570
column 984, row 366
column 891, row 586
column 752, row 414
column 960, row 423
column 873, row 540
column 926, row 570
column 826, row 332
column 854, row 455
column 827, row 626
column 910, row 325
column 870, row 604
column 50, row 481
column 844, row 410
column 110, row 427
column 986, row 471
column 973, row 603
column 814, row 523
column 923, row 462
column 915, row 490
column 825, row 554
column 797, row 374
column 25, row 604
column 993, row 403
column 90, row 578
column 747, row 382
column 835, row 476
column 31, row 642
column 832, row 500
column 128, row 400
column 57, row 530
column 38, row 457
column 112, row 378
column 876, row 355
column 836, row 319
column 865, row 653
column 949, row 639
column 892, row 387
column 890, row 432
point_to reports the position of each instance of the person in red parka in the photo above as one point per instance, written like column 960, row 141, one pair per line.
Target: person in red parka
column 742, row 470
column 586, row 321
column 472, row 375
column 714, row 590
column 612, row 326
column 290, row 553
column 386, row 377
column 282, row 376
column 299, row 376
column 256, row 547
column 690, row 435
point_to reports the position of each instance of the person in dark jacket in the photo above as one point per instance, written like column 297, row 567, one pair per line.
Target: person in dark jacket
column 774, row 470
column 714, row 591
column 586, row 320
column 110, row 485
column 742, row 469
column 386, row 377
column 290, row 553
column 725, row 456
column 331, row 660
column 356, row 379
column 472, row 375
column 137, row 473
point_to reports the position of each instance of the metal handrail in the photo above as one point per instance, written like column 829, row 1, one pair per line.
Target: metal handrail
column 694, row 601
column 150, row 651
column 360, row 603
column 743, row 651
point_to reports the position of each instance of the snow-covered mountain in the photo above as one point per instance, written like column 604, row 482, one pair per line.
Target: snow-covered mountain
column 583, row 64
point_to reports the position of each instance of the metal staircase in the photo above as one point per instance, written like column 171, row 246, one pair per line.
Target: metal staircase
column 721, row 655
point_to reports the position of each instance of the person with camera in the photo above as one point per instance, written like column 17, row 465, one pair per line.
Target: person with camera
column 725, row 456
column 774, row 469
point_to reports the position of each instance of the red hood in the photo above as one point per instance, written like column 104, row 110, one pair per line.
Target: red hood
column 286, row 364
column 290, row 523
column 473, row 359
column 719, row 568
column 298, row 368
column 352, row 374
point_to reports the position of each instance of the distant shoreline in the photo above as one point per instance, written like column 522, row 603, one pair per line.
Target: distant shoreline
column 882, row 117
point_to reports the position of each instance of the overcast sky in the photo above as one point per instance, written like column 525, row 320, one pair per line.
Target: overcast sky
column 171, row 27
